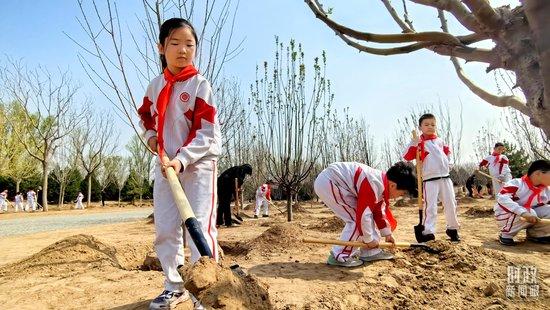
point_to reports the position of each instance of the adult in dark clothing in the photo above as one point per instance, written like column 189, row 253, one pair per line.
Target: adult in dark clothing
column 473, row 183
column 226, row 191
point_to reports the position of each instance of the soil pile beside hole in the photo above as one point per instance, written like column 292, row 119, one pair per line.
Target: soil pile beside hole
column 220, row 288
column 332, row 224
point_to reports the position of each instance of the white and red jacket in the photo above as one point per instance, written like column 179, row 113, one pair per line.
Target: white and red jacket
column 191, row 127
column 371, row 188
column 434, row 154
column 497, row 164
column 264, row 191
column 519, row 196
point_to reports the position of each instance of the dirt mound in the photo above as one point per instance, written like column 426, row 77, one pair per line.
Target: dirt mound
column 279, row 238
column 80, row 252
column 332, row 224
column 72, row 254
column 476, row 211
column 220, row 288
column 465, row 200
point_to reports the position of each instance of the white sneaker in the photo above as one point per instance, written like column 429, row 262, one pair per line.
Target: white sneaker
column 350, row 262
column 378, row 256
column 168, row 300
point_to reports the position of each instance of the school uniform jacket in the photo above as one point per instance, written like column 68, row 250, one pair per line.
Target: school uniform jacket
column 371, row 188
column 497, row 164
column 264, row 191
column 520, row 195
column 191, row 127
column 434, row 154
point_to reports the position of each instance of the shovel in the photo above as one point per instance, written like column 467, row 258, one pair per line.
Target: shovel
column 418, row 229
column 237, row 200
column 383, row 245
column 489, row 176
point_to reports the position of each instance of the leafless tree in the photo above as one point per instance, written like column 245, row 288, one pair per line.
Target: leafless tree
column 521, row 38
column 50, row 114
column 484, row 141
column 289, row 108
column 110, row 60
column 93, row 142
column 104, row 174
column 529, row 138
column 65, row 160
column 140, row 165
column 119, row 173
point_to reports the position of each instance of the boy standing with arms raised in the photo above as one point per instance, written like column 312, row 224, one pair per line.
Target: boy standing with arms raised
column 437, row 184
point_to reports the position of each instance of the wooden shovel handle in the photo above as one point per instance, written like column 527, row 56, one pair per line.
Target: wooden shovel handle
column 355, row 243
column 418, row 172
column 544, row 221
column 489, row 176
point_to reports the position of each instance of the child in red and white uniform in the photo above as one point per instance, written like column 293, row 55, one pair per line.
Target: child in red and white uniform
column 181, row 124
column 263, row 196
column 359, row 195
column 437, row 184
column 497, row 163
column 522, row 202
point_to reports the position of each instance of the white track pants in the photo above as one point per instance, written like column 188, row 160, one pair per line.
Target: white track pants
column 510, row 224
column 261, row 203
column 199, row 184
column 434, row 191
column 344, row 205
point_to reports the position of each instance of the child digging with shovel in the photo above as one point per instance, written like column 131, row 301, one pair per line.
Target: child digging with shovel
column 359, row 195
column 524, row 203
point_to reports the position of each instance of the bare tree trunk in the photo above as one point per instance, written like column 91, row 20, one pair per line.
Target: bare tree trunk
column 44, row 186
column 89, row 191
column 17, row 183
column 289, row 204
column 119, row 191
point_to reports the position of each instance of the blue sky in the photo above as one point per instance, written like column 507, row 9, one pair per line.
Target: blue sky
column 381, row 89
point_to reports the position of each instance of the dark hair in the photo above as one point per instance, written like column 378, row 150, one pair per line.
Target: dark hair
column 246, row 169
column 542, row 164
column 498, row 144
column 403, row 175
column 166, row 29
column 425, row 116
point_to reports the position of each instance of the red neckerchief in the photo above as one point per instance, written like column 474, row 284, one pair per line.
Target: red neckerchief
column 536, row 190
column 423, row 139
column 497, row 157
column 164, row 99
column 386, row 193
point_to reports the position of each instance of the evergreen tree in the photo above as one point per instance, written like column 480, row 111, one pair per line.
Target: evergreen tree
column 519, row 159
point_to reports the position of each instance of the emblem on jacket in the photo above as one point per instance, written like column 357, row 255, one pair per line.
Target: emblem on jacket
column 184, row 97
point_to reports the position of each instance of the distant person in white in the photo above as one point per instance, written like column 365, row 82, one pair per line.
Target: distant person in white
column 79, row 205
column 19, row 202
column 4, row 201
column 31, row 196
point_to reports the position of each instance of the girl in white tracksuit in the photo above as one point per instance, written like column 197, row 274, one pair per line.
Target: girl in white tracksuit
column 497, row 163
column 522, row 202
column 180, row 122
column 359, row 195
column 436, row 181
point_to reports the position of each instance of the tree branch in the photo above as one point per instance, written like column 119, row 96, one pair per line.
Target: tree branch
column 459, row 11
column 485, row 14
column 429, row 36
column 499, row 101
